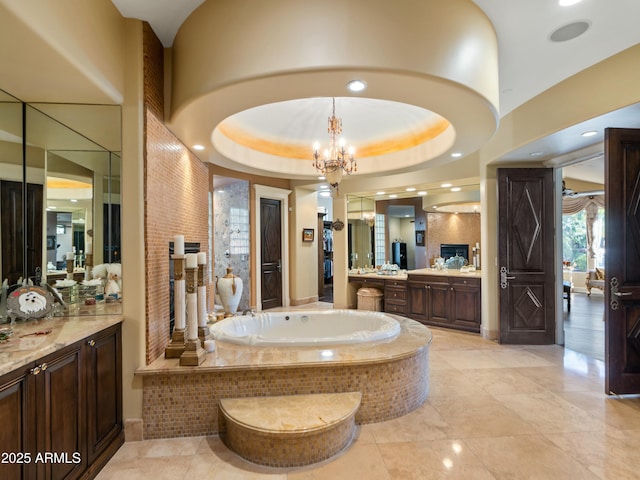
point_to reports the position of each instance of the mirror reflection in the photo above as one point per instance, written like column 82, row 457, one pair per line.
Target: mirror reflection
column 60, row 199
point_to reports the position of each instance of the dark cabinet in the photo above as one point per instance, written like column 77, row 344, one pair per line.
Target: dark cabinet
column 399, row 254
column 417, row 305
column 62, row 415
column 395, row 296
column 104, row 396
column 17, row 417
column 438, row 301
column 465, row 304
column 445, row 301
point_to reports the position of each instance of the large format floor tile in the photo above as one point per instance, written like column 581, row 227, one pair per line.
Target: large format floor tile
column 493, row 412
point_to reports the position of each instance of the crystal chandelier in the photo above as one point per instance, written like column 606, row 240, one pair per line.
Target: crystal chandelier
column 337, row 159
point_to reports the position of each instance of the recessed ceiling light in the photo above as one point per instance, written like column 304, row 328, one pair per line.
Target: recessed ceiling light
column 380, row 193
column 393, row 195
column 445, row 185
column 198, row 147
column 325, row 194
column 455, row 189
column 536, row 154
column 357, row 85
column 73, row 200
column 324, row 187
column 411, row 189
column 568, row 3
column 51, row 207
column 435, row 207
column 322, row 178
column 590, row 133
column 456, row 154
column 422, row 193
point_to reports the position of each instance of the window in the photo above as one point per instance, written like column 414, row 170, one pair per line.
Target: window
column 574, row 240
column 378, row 239
column 239, row 231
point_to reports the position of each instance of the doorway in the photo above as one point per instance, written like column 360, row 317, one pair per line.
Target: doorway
column 281, row 195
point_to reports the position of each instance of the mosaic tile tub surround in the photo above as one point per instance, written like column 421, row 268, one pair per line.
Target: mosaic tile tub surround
column 392, row 376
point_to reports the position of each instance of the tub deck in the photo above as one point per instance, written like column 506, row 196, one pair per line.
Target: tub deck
column 391, row 375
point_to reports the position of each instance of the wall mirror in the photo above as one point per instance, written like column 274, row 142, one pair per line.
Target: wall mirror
column 60, row 196
column 362, row 217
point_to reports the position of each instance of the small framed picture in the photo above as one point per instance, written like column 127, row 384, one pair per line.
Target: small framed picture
column 307, row 234
column 420, row 238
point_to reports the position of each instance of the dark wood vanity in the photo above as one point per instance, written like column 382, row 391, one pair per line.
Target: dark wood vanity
column 60, row 402
column 448, row 299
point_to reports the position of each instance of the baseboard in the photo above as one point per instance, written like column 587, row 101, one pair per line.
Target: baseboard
column 303, row 301
column 133, row 430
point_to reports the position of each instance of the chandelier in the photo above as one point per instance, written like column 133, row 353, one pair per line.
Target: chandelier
column 337, row 159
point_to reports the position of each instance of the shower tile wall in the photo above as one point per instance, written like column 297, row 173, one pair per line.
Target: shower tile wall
column 231, row 234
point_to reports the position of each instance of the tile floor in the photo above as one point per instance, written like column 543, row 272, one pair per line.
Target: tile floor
column 494, row 412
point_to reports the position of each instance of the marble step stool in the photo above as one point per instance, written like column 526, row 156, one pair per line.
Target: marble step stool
column 289, row 430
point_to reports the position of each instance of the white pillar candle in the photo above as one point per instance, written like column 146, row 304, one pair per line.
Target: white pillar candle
column 192, row 316
column 178, row 244
column 209, row 345
column 192, row 260
column 179, row 306
column 202, row 258
column 202, row 306
column 69, row 256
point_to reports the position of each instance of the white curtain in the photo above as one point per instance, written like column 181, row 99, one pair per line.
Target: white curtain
column 571, row 205
column 591, row 204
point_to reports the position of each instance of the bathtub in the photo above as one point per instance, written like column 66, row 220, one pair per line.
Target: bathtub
column 306, row 328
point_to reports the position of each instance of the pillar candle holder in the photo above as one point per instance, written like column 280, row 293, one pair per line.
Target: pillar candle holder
column 193, row 354
column 177, row 345
column 70, row 269
column 88, row 265
column 203, row 328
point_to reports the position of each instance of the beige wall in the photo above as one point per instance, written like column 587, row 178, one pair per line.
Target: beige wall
column 303, row 266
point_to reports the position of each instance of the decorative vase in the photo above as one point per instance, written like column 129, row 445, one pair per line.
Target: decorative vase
column 229, row 290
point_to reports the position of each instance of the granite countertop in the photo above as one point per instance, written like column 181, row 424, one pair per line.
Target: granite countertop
column 33, row 339
column 446, row 273
column 399, row 276
column 422, row 271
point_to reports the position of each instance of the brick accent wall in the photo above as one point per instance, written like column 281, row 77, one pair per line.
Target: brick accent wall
column 176, row 189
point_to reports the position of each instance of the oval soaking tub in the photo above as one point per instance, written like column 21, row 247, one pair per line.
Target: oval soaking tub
column 306, row 328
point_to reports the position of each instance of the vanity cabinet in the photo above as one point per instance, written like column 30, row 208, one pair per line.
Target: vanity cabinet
column 62, row 414
column 395, row 296
column 417, row 300
column 445, row 301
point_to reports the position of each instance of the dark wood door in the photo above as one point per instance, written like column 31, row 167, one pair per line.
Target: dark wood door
column 622, row 261
column 525, row 255
column 271, row 253
column 18, row 417
column 104, row 391
column 61, row 414
column 19, row 232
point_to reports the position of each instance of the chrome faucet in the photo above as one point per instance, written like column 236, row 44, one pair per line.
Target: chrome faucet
column 252, row 311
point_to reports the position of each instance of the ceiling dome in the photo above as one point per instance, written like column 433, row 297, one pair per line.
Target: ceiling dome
column 254, row 85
